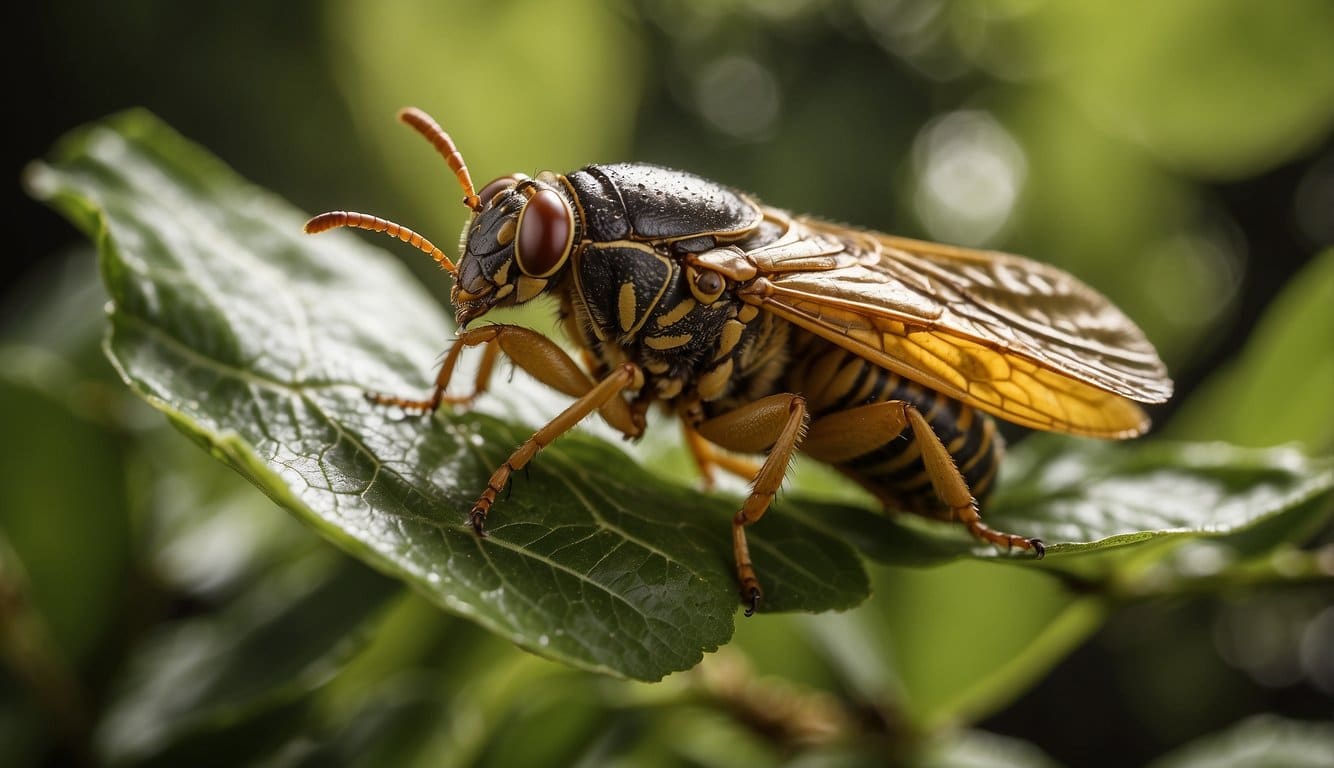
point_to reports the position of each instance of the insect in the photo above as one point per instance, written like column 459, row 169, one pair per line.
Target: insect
column 766, row 332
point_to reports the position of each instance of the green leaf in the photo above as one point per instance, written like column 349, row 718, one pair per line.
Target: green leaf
column 258, row 342
column 189, row 688
column 1083, row 497
column 1091, row 502
column 1278, row 388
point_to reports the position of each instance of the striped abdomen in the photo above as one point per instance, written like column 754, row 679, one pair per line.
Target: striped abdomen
column 833, row 379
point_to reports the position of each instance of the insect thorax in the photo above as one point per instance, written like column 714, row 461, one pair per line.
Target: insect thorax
column 723, row 353
column 634, row 295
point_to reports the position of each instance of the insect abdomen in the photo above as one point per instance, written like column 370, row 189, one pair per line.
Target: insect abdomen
column 833, row 379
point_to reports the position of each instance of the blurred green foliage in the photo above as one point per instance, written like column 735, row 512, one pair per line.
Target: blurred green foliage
column 1176, row 155
column 1276, row 360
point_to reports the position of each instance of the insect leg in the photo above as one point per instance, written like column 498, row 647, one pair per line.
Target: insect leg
column 775, row 424
column 951, row 487
column 843, row 435
column 442, row 378
column 532, row 352
column 707, row 456
column 623, row 377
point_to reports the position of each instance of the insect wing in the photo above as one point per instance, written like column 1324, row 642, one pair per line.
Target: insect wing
column 1019, row 339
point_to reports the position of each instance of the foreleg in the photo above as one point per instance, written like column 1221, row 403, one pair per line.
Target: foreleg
column 530, row 351
column 623, row 377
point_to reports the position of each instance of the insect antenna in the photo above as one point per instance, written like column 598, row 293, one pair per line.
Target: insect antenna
column 335, row 219
column 429, row 128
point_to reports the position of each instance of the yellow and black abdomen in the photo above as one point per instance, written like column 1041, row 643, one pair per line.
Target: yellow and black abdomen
column 833, row 379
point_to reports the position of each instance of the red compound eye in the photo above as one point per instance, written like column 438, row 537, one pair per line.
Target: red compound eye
column 546, row 231
column 499, row 185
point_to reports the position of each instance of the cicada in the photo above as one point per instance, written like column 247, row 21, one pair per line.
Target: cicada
column 767, row 332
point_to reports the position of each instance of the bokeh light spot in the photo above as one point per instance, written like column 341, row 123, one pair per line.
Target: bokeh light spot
column 969, row 174
column 738, row 96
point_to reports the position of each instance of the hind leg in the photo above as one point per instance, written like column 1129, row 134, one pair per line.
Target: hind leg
column 844, row 435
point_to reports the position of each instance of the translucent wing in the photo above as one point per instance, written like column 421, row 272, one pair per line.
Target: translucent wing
column 1013, row 337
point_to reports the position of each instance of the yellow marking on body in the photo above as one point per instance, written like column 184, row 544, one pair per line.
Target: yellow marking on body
column 913, row 453
column 625, row 306
column 983, row 447
column 731, row 334
column 677, row 312
column 529, row 287
column 747, row 313
column 669, row 388
column 840, row 384
column 668, row 342
column 502, row 275
column 964, row 419
column 714, row 383
column 505, row 235
column 504, row 290
column 980, row 487
column 823, row 381
column 917, row 485
column 936, row 403
column 657, row 366
column 867, row 389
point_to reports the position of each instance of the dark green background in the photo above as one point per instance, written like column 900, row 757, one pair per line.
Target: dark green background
column 1177, row 156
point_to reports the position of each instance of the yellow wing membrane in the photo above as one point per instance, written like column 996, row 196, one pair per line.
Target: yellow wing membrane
column 1019, row 339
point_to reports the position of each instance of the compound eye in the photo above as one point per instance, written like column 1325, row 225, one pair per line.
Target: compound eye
column 706, row 284
column 546, row 232
column 501, row 184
